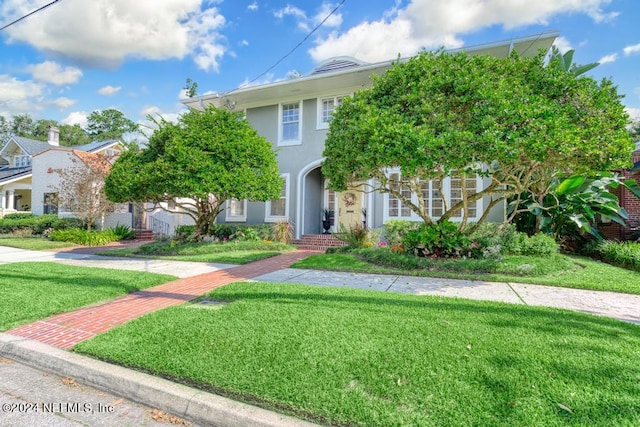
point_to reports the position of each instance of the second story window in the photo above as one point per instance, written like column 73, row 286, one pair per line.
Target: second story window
column 21, row 161
column 326, row 107
column 290, row 124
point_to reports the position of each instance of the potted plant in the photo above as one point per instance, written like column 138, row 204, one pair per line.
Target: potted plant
column 327, row 219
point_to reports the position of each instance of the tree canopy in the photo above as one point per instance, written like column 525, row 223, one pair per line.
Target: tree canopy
column 206, row 158
column 108, row 124
column 514, row 120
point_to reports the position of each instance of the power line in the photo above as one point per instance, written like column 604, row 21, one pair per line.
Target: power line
column 29, row 14
column 294, row 48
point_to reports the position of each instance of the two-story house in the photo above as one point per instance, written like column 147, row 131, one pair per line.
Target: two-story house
column 294, row 116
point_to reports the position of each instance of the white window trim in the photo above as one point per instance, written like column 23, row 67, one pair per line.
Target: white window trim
column 320, row 125
column 21, row 161
column 446, row 190
column 289, row 142
column 236, row 218
column 267, row 213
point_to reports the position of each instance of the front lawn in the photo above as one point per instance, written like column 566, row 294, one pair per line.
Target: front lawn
column 556, row 270
column 236, row 252
column 351, row 357
column 35, row 243
column 34, row 290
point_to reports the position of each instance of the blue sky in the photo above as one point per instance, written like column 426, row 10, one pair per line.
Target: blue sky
column 135, row 55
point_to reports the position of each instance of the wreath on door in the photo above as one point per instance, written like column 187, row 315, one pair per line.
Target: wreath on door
column 349, row 199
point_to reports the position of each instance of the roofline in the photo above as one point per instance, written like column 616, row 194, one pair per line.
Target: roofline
column 75, row 148
column 17, row 178
column 219, row 95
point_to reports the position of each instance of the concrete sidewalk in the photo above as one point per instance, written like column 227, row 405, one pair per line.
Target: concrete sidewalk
column 624, row 307
column 179, row 269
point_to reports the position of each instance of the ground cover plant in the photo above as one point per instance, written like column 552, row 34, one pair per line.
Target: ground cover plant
column 623, row 254
column 558, row 270
column 235, row 252
column 352, row 357
column 35, row 290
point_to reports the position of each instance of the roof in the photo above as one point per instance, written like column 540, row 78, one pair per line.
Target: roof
column 95, row 145
column 94, row 161
column 344, row 74
column 29, row 146
column 10, row 174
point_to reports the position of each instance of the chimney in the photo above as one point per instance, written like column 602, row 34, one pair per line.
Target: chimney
column 54, row 136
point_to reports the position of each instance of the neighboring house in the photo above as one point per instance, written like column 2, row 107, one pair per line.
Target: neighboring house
column 294, row 116
column 68, row 181
column 629, row 202
column 17, row 176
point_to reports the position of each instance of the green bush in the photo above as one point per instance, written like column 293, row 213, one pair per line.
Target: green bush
column 83, row 237
column 440, row 240
column 395, row 230
column 356, row 236
column 500, row 237
column 123, row 232
column 622, row 254
column 18, row 215
column 539, row 245
column 37, row 224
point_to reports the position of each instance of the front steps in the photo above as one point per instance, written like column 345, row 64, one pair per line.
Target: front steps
column 143, row 234
column 318, row 242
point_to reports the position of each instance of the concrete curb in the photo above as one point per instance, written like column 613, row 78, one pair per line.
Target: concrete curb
column 191, row 404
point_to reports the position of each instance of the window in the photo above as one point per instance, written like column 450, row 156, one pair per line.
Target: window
column 236, row 210
column 397, row 209
column 326, row 107
column 432, row 192
column 50, row 203
column 290, row 124
column 21, row 161
column 278, row 209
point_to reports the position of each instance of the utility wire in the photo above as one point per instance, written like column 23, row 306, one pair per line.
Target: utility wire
column 29, row 14
column 293, row 49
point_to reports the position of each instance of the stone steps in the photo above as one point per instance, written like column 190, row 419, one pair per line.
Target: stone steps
column 317, row 242
column 143, row 234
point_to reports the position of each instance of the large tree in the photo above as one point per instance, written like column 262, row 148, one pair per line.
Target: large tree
column 108, row 124
column 206, row 158
column 514, row 120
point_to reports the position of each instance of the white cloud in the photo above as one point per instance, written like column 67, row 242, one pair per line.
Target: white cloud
column 76, row 118
column 52, row 72
column 334, row 20
column 19, row 96
column 630, row 50
column 563, row 44
column 106, row 32
column 613, row 57
column 109, row 90
column 634, row 113
column 244, row 43
column 63, row 102
column 253, row 6
column 299, row 14
column 433, row 23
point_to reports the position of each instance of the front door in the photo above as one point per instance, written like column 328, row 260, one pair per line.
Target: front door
column 350, row 204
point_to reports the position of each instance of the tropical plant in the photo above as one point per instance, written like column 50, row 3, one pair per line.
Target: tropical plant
column 441, row 240
column 575, row 205
column 123, row 232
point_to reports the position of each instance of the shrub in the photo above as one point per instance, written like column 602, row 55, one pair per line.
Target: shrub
column 437, row 240
column 37, row 224
column 500, row 237
column 123, row 232
column 539, row 245
column 395, row 230
column 355, row 236
column 19, row 215
column 283, row 232
column 622, row 254
column 83, row 237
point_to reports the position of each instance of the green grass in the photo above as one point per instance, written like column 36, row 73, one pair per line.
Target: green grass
column 231, row 252
column 559, row 270
column 32, row 243
column 35, row 290
column 353, row 357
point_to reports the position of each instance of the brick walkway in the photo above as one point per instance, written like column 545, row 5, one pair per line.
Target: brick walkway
column 67, row 329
